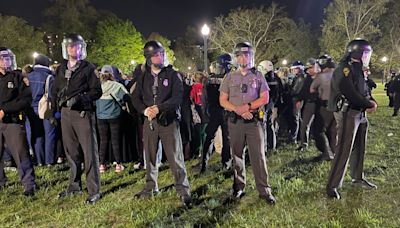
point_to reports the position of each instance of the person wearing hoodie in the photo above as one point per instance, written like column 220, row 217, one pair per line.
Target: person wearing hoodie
column 108, row 111
column 43, row 131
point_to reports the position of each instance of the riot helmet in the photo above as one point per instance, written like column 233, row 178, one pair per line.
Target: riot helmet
column 223, row 64
column 326, row 61
column 152, row 48
column 244, row 49
column 74, row 40
column 297, row 67
column 312, row 64
column 265, row 66
column 7, row 59
column 360, row 49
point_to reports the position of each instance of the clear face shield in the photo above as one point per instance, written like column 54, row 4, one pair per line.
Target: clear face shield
column 366, row 57
column 219, row 69
column 7, row 60
column 159, row 59
column 245, row 58
column 265, row 66
column 76, row 50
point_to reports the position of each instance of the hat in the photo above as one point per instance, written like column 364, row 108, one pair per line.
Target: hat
column 107, row 69
column 42, row 60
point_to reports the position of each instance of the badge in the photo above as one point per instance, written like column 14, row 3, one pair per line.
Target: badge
column 10, row 85
column 165, row 82
column 346, row 71
column 254, row 85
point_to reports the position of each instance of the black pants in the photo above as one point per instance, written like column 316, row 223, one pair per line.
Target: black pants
column 325, row 131
column 79, row 135
column 216, row 120
column 109, row 128
column 307, row 118
column 14, row 136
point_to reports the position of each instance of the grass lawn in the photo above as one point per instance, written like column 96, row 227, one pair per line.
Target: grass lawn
column 298, row 184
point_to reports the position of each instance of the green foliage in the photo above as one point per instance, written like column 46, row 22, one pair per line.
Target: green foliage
column 21, row 38
column 117, row 43
column 389, row 40
column 346, row 20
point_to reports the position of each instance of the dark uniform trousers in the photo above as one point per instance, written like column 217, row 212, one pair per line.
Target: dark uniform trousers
column 270, row 136
column 172, row 145
column 352, row 129
column 216, row 120
column 396, row 101
column 325, row 129
column 250, row 134
column 307, row 118
column 79, row 134
column 14, row 136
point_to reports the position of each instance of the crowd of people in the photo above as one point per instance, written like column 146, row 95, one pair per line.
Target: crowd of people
column 97, row 116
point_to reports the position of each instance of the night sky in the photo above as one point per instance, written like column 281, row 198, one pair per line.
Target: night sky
column 169, row 18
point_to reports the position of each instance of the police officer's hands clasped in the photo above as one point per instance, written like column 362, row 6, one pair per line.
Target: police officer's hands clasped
column 373, row 109
column 239, row 110
column 151, row 112
column 247, row 115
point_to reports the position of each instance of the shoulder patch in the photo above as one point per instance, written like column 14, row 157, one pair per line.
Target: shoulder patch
column 346, row 71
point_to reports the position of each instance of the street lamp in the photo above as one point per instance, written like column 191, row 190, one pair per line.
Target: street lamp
column 284, row 62
column 35, row 54
column 133, row 62
column 384, row 59
column 205, row 31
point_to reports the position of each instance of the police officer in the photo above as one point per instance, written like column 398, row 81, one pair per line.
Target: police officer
column 325, row 124
column 388, row 88
column 294, row 105
column 76, row 88
column 15, row 98
column 243, row 92
column 215, row 113
column 275, row 96
column 350, row 101
column 395, row 89
column 158, row 95
column 308, row 102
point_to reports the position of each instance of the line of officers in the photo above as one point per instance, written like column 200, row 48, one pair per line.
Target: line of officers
column 245, row 98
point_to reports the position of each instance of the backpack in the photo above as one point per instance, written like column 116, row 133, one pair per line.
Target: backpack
column 44, row 106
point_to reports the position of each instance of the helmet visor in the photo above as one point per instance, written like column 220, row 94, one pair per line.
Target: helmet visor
column 366, row 57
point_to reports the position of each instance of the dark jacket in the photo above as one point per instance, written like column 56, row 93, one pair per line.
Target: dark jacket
column 348, row 82
column 15, row 96
column 169, row 91
column 84, row 86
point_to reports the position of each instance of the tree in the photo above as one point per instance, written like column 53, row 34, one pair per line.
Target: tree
column 272, row 34
column 72, row 16
column 117, row 43
column 389, row 43
column 187, row 52
column 166, row 43
column 21, row 38
column 348, row 19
